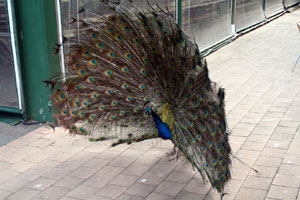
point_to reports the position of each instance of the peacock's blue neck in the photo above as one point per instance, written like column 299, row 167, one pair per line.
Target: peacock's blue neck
column 163, row 129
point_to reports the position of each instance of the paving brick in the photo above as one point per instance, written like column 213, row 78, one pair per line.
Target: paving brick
column 289, row 124
column 96, row 148
column 282, row 136
column 250, row 154
column 111, row 191
column 108, row 154
column 157, row 196
column 23, row 194
column 41, row 183
column 285, row 130
column 148, row 160
column 67, row 198
column 53, row 193
column 237, row 139
column 84, row 156
column 12, row 158
column 22, row 166
column 83, row 172
column 287, row 181
column 162, row 168
column 141, row 190
column 49, row 150
column 103, row 176
column 71, row 149
column 291, row 170
column 258, row 138
column 95, row 197
column 255, row 146
column 69, row 182
column 4, row 165
column 190, row 196
column 4, row 194
column 41, row 143
column 14, row 185
column 242, row 163
column 60, row 157
column 5, row 149
column 129, row 197
column 280, row 192
column 213, row 194
column 71, row 164
column 124, row 180
column 278, row 144
column 96, row 163
column 251, row 194
column 46, row 165
column 239, row 174
column 56, row 173
column 291, row 159
column 180, row 177
column 268, row 161
column 19, row 143
column 273, row 152
column 143, row 146
column 152, row 178
column 7, row 175
column 82, row 192
column 197, row 186
column 120, row 148
column 136, row 169
column 31, row 174
column 257, row 182
column 132, row 153
column 36, row 157
column 169, row 188
column 27, row 150
column 231, row 188
column 122, row 161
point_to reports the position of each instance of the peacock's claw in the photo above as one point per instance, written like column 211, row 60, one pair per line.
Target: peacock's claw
column 174, row 154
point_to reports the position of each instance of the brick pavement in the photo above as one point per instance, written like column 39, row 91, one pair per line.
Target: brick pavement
column 263, row 106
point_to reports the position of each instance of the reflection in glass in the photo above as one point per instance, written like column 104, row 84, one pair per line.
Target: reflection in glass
column 70, row 11
column 3, row 17
column 290, row 2
column 248, row 13
column 206, row 21
column 8, row 91
column 273, row 7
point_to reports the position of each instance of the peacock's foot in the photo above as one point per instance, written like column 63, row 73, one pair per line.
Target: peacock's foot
column 174, row 154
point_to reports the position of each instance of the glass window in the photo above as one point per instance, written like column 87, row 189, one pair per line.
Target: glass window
column 8, row 91
column 206, row 21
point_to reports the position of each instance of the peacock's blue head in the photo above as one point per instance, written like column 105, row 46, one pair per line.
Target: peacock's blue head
column 148, row 111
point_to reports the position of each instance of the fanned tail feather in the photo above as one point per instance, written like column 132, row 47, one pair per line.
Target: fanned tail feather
column 129, row 58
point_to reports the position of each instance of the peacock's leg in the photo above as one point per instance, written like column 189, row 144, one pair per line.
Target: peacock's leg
column 172, row 153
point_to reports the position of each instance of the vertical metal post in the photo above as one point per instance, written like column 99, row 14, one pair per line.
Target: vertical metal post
column 60, row 37
column 233, row 9
column 264, row 8
column 178, row 12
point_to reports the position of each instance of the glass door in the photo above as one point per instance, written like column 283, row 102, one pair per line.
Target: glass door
column 10, row 91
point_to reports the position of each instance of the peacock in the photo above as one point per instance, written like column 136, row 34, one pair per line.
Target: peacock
column 134, row 75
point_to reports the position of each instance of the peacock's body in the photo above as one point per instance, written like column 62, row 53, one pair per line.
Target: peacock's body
column 131, row 65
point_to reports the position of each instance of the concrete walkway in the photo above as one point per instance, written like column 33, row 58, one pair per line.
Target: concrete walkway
column 263, row 105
